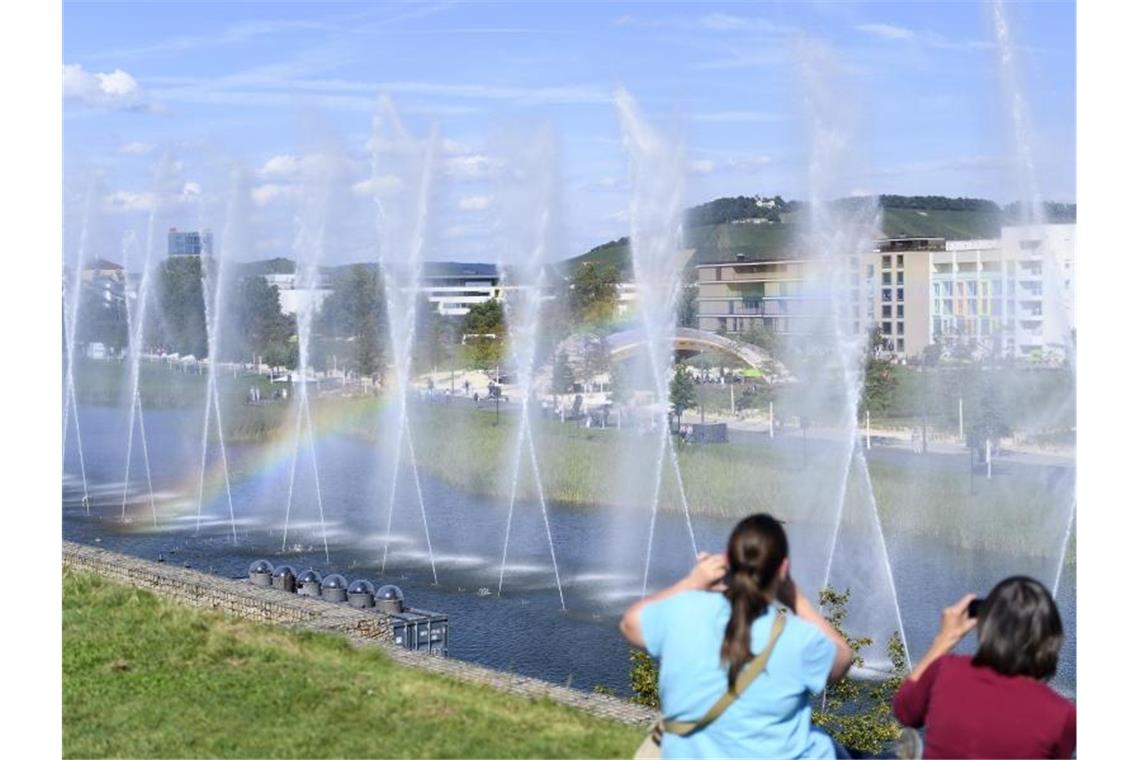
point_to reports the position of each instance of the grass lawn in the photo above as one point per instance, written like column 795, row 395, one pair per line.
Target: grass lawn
column 143, row 677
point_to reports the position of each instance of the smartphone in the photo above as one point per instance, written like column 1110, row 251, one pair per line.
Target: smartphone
column 975, row 607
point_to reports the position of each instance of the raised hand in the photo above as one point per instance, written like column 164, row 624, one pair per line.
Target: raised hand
column 708, row 573
column 956, row 622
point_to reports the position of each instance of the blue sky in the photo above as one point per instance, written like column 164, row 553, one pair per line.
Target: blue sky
column 204, row 80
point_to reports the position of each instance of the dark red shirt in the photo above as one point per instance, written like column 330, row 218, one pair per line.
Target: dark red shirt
column 977, row 712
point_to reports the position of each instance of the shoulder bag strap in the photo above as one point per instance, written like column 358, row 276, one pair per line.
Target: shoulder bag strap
column 753, row 669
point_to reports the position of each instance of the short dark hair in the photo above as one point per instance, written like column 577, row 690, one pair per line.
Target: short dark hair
column 1019, row 630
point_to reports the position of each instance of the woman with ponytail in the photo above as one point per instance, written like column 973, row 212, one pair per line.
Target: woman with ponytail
column 717, row 629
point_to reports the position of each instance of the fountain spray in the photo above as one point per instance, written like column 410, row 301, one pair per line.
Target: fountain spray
column 308, row 248
column 136, row 321
column 72, row 297
column 213, row 290
column 835, row 236
column 529, row 201
column 1033, row 213
column 410, row 163
column 657, row 167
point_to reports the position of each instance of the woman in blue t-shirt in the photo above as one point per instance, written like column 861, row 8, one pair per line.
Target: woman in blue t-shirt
column 704, row 630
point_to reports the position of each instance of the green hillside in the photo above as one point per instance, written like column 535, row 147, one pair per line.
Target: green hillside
column 902, row 216
column 952, row 225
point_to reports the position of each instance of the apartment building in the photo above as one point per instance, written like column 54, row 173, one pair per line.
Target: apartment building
column 1010, row 296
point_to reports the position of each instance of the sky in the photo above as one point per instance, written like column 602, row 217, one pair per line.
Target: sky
column 215, row 86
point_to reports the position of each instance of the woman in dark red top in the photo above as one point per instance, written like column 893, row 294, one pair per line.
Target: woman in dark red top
column 995, row 704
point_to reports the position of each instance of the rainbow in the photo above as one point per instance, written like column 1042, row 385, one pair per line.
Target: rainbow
column 272, row 457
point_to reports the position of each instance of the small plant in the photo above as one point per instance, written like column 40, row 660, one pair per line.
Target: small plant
column 601, row 688
column 857, row 714
column 643, row 679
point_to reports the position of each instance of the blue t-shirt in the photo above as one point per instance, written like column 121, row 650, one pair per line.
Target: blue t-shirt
column 772, row 717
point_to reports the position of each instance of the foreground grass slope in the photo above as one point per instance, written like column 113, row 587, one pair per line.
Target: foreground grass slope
column 143, row 677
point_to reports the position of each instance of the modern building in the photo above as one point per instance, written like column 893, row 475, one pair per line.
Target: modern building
column 101, row 269
column 293, row 298
column 189, row 243
column 1010, row 296
column 453, row 288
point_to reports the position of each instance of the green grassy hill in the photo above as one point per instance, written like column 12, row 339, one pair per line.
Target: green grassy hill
column 144, row 677
column 721, row 242
column 952, row 225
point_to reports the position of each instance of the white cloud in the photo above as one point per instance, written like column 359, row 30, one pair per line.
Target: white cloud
column 749, row 163
column 113, row 90
column 135, row 149
column 723, row 22
column 608, row 182
column 701, row 166
column 968, row 164
column 124, row 201
column 738, row 116
column 887, row 31
column 281, row 167
column 475, row 203
column 472, row 166
column 384, row 185
column 264, row 195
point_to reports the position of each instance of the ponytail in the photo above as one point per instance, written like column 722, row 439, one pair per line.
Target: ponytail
column 756, row 549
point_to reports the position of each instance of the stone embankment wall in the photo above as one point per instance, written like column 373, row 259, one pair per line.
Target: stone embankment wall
column 240, row 598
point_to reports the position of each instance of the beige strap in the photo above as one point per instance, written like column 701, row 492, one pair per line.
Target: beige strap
column 753, row 669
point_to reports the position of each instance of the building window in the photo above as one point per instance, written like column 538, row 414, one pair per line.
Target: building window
column 899, row 278
column 886, row 328
column 886, row 294
column 899, row 261
column 886, row 262
column 870, row 271
column 900, row 312
column 899, row 345
column 718, row 274
column 886, row 311
column 900, row 294
column 886, row 278
column 899, row 330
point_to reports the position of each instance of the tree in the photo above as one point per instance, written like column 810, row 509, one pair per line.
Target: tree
column 761, row 337
column 261, row 329
column 992, row 421
column 354, row 313
column 620, row 390
column 880, row 384
column 563, row 374
column 437, row 338
column 682, row 392
column 687, row 307
column 102, row 315
column 596, row 357
column 593, row 294
column 485, row 334
column 179, row 324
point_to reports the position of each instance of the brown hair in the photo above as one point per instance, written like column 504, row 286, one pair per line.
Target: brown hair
column 1019, row 630
column 756, row 548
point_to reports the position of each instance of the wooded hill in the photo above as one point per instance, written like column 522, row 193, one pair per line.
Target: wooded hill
column 766, row 228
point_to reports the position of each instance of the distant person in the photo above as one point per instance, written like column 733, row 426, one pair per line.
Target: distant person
column 996, row 703
column 707, row 628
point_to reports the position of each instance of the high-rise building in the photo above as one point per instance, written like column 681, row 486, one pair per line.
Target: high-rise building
column 189, row 243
